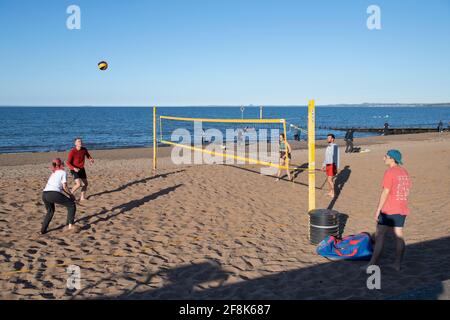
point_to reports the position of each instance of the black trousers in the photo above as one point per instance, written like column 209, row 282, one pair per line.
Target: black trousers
column 51, row 198
column 349, row 146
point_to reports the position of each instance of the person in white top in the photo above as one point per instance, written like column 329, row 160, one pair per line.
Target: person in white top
column 55, row 193
column 331, row 162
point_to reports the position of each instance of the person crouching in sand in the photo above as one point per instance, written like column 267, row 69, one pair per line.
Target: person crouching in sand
column 393, row 207
column 54, row 194
column 75, row 162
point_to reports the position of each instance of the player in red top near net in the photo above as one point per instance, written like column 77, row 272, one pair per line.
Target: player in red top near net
column 75, row 162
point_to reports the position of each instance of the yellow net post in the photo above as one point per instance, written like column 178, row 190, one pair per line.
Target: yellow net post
column 155, row 144
column 311, row 156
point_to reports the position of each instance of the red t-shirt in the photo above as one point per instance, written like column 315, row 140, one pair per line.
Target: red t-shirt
column 76, row 158
column 397, row 180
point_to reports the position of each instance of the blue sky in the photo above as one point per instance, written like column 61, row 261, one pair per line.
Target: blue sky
column 233, row 52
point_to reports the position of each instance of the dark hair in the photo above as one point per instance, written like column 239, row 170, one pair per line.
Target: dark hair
column 282, row 135
column 77, row 138
column 331, row 135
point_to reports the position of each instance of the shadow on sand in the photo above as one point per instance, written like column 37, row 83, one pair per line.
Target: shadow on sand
column 124, row 208
column 132, row 183
column 299, row 169
column 339, row 184
column 426, row 265
column 117, row 210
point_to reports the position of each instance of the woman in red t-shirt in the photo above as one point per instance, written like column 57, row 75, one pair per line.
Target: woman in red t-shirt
column 393, row 207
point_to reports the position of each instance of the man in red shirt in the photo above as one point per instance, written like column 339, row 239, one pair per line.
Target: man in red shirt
column 75, row 161
column 393, row 207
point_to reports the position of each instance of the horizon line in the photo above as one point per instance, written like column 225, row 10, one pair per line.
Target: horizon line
column 368, row 104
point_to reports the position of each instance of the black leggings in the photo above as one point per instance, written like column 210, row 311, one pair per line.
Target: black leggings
column 52, row 197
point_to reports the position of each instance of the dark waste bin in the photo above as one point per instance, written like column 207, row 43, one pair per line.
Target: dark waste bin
column 323, row 223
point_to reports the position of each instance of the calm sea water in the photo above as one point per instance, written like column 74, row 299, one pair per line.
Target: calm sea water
column 54, row 128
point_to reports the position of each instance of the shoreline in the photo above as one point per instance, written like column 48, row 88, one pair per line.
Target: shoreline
column 24, row 158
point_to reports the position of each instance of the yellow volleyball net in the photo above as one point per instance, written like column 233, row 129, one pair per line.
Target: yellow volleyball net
column 223, row 141
column 189, row 134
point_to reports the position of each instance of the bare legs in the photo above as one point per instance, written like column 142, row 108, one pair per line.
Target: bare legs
column 83, row 184
column 400, row 248
column 331, row 186
column 282, row 163
column 379, row 242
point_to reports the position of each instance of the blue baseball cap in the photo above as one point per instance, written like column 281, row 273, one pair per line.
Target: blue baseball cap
column 396, row 155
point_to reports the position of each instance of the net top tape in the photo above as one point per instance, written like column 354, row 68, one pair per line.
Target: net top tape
column 225, row 120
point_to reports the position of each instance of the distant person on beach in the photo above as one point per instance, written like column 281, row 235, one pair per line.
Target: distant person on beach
column 285, row 156
column 75, row 162
column 57, row 192
column 386, row 129
column 297, row 134
column 349, row 141
column 240, row 136
column 331, row 162
column 205, row 137
column 392, row 207
column 440, row 127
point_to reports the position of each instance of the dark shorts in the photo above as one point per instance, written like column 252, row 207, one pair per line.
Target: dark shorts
column 391, row 220
column 79, row 175
column 283, row 155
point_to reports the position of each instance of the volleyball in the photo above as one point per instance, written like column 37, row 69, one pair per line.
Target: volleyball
column 103, row 65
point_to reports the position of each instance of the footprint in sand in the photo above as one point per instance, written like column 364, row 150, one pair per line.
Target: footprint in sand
column 48, row 296
column 18, row 265
column 70, row 292
column 47, row 284
column 85, row 227
column 63, row 243
column 7, row 256
column 26, row 284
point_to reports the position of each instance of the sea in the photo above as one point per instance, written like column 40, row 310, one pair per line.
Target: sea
column 41, row 129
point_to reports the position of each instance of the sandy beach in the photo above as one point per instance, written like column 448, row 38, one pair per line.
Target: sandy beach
column 217, row 231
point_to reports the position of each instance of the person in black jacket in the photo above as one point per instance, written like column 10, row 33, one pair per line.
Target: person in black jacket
column 440, row 127
column 349, row 140
column 386, row 129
